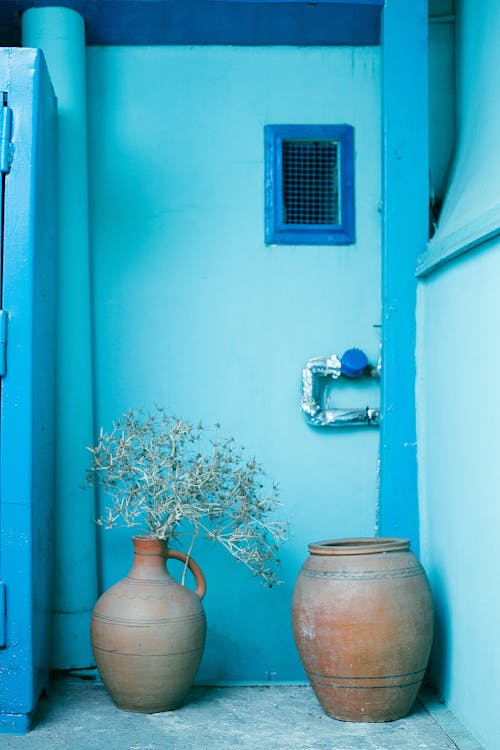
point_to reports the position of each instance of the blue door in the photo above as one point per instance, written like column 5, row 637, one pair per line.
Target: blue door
column 28, row 240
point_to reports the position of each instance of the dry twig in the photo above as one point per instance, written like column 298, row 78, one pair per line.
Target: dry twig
column 176, row 477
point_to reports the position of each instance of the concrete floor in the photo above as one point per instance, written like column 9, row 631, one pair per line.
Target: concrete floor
column 79, row 715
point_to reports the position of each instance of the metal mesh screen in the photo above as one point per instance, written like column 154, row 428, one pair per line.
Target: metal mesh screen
column 310, row 182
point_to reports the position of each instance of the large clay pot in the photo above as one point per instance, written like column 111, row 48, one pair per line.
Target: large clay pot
column 363, row 625
column 148, row 632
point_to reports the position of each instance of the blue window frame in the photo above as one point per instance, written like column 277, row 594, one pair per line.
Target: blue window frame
column 309, row 184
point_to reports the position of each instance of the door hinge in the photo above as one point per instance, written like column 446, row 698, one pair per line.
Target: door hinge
column 3, row 614
column 5, row 135
column 3, row 343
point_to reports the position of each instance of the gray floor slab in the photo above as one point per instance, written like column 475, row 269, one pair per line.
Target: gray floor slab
column 81, row 716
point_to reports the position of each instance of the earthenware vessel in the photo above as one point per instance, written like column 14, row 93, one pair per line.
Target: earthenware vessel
column 148, row 631
column 363, row 625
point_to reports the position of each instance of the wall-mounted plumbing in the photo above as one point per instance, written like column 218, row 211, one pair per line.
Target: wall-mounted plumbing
column 352, row 365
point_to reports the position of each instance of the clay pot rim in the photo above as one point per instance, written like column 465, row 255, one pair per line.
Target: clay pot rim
column 359, row 546
column 146, row 544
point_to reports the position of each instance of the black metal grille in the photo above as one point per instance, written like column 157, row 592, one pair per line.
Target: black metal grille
column 310, row 182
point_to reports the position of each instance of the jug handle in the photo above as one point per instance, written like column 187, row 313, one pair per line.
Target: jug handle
column 195, row 569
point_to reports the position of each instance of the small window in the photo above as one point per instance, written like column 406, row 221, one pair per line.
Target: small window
column 309, row 184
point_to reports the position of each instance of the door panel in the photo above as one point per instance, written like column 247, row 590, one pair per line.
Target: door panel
column 27, row 388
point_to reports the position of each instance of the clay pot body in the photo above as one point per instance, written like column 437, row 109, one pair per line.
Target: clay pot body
column 148, row 632
column 363, row 625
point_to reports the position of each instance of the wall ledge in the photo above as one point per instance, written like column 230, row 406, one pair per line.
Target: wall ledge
column 445, row 249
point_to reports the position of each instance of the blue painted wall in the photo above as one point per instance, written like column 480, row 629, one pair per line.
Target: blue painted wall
column 194, row 312
column 458, row 317
column 457, row 387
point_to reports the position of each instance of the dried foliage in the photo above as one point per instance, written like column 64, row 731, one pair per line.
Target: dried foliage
column 177, row 478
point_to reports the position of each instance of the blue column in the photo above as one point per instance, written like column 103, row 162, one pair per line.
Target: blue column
column 60, row 33
column 405, row 233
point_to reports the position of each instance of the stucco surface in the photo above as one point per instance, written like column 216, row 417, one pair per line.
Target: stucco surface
column 457, row 364
column 194, row 312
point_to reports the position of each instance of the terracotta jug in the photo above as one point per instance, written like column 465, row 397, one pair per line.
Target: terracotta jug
column 148, row 631
column 363, row 625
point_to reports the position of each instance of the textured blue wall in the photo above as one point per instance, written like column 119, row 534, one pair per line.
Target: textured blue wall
column 194, row 312
column 458, row 364
column 458, row 315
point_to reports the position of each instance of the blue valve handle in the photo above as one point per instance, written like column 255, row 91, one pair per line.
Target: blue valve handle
column 353, row 363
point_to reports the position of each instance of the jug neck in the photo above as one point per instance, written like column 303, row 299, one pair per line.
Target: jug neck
column 150, row 555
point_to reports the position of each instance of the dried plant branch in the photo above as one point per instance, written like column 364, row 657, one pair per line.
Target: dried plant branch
column 188, row 556
column 171, row 475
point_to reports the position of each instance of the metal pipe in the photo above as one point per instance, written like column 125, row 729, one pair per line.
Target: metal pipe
column 316, row 415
